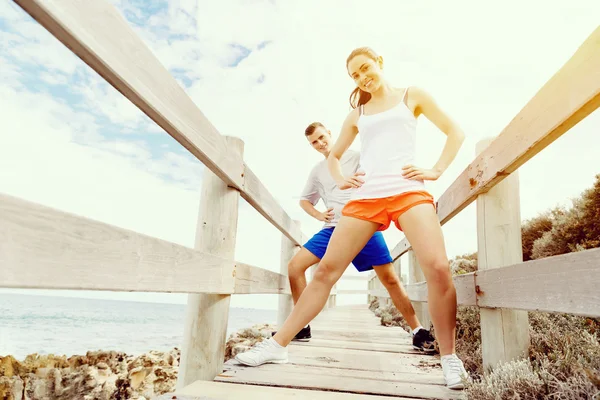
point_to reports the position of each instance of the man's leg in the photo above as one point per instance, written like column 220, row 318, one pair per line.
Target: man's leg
column 422, row 338
column 391, row 282
column 297, row 267
column 349, row 237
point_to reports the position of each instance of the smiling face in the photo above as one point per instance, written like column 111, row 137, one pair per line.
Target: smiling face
column 320, row 140
column 366, row 72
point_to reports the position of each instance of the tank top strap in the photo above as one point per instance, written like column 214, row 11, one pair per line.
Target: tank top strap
column 404, row 95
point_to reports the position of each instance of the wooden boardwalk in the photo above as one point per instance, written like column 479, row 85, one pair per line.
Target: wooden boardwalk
column 351, row 356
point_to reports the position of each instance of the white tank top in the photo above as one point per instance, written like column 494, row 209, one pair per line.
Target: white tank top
column 388, row 142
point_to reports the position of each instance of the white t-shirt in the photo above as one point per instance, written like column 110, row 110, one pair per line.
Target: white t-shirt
column 320, row 185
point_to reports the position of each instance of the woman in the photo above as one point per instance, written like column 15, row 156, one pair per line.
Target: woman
column 390, row 189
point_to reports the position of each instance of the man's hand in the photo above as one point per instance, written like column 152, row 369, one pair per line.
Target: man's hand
column 326, row 216
column 355, row 181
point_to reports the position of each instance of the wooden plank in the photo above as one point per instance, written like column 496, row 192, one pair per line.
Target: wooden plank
column 360, row 359
column 418, row 285
column 97, row 33
column 257, row 195
column 43, row 248
column 568, row 97
column 362, row 277
column 352, row 291
column 367, row 346
column 252, row 280
column 230, row 391
column 366, row 333
column 435, row 378
column 566, row 283
column 402, row 247
column 207, row 315
column 339, row 382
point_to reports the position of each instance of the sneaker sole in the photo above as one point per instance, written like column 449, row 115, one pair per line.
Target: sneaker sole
column 458, row 386
column 301, row 340
column 424, row 350
column 266, row 362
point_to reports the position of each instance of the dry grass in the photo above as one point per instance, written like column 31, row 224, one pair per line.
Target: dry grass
column 563, row 363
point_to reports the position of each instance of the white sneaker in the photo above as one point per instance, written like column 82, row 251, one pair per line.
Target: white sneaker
column 267, row 351
column 454, row 372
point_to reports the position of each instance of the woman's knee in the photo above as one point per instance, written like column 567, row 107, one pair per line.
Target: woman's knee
column 438, row 272
column 327, row 273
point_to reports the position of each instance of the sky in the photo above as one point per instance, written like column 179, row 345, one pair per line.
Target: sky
column 262, row 71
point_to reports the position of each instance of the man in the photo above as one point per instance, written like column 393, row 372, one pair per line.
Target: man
column 375, row 255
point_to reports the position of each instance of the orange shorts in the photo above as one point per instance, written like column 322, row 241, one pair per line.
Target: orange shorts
column 387, row 209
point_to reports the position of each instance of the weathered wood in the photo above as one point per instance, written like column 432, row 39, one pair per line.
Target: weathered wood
column 97, row 33
column 286, row 303
column 43, row 248
column 568, row 97
column 416, row 276
column 377, row 359
column 253, row 280
column 226, row 391
column 207, row 315
column 363, row 278
column 465, row 290
column 352, row 291
column 355, row 336
column 368, row 346
column 504, row 333
column 334, row 373
column 257, row 195
column 336, row 380
column 566, row 283
column 402, row 247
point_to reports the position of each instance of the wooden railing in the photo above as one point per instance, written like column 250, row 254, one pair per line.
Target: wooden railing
column 46, row 248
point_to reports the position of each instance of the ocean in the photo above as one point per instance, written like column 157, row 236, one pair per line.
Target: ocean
column 69, row 326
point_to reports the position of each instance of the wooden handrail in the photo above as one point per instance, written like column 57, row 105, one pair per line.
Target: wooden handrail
column 568, row 97
column 538, row 285
column 44, row 248
column 97, row 33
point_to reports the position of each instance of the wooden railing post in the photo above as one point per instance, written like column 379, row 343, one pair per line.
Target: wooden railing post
column 504, row 332
column 286, row 302
column 205, row 331
column 332, row 297
column 415, row 276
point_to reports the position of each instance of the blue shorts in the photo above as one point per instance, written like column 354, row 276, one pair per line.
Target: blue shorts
column 375, row 251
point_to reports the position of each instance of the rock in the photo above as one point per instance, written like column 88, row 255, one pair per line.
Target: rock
column 104, row 375
column 11, row 388
column 243, row 340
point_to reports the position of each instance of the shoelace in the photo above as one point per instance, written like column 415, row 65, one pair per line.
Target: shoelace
column 259, row 346
column 454, row 365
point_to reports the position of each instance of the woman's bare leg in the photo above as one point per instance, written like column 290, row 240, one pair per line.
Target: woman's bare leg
column 348, row 238
column 422, row 229
column 390, row 280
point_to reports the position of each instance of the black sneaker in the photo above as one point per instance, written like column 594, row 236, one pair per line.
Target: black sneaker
column 424, row 341
column 302, row 336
